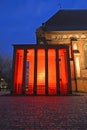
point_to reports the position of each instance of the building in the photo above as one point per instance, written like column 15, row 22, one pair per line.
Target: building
column 57, row 64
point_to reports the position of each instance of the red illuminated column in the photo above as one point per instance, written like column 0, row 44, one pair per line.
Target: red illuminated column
column 46, row 71
column 35, row 72
column 57, row 73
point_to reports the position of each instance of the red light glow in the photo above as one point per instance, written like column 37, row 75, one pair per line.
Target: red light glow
column 18, row 71
column 41, row 71
column 29, row 72
column 63, row 71
column 51, row 71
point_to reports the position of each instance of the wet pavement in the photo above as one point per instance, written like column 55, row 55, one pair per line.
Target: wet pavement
column 43, row 112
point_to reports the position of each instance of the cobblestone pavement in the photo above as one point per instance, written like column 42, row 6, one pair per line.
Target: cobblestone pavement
column 43, row 112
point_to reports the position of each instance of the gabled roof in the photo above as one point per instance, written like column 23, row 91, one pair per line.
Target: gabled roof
column 67, row 20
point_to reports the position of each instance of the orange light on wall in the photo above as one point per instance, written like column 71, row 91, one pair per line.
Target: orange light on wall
column 34, row 80
column 52, row 71
column 29, row 85
column 40, row 71
column 18, row 71
column 63, row 71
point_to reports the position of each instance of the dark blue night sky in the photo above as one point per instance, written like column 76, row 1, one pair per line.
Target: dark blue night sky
column 19, row 19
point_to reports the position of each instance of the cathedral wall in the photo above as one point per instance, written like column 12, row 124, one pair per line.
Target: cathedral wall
column 82, row 85
column 64, row 37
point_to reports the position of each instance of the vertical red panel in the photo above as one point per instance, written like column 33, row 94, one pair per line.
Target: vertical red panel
column 18, row 72
column 40, row 71
column 30, row 71
column 63, row 71
column 52, row 71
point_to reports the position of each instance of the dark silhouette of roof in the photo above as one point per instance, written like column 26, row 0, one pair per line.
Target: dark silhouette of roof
column 67, row 20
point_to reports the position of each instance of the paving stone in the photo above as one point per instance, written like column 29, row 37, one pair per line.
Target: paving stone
column 43, row 112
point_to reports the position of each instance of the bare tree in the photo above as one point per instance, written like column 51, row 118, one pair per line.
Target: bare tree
column 6, row 69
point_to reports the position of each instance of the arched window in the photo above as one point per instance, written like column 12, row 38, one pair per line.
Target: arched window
column 85, row 54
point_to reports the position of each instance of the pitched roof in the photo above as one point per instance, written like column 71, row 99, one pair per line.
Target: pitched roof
column 67, row 20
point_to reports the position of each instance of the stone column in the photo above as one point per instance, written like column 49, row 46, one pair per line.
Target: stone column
column 57, row 72
column 46, row 71
column 35, row 72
